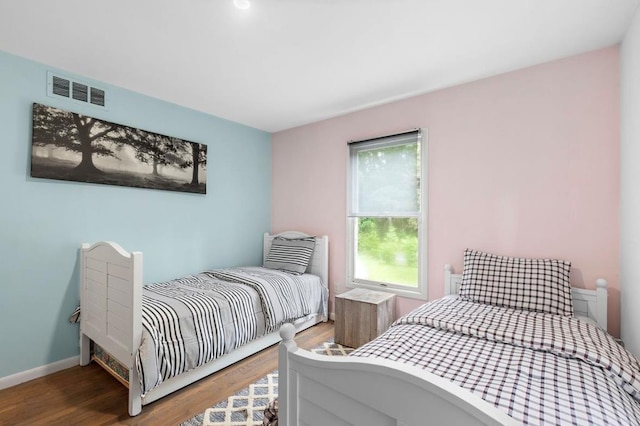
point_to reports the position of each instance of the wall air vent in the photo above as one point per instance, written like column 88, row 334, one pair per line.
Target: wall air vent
column 80, row 92
column 97, row 96
column 59, row 86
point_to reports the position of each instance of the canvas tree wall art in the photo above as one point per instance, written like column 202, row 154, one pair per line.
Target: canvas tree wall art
column 70, row 146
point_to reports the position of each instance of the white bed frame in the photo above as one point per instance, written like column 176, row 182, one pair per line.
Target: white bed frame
column 317, row 390
column 111, row 301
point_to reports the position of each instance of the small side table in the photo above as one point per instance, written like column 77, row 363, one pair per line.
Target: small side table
column 362, row 315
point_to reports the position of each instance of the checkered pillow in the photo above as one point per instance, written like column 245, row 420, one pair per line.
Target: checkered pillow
column 539, row 285
column 290, row 254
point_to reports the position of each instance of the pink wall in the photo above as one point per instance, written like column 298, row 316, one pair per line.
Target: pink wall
column 523, row 164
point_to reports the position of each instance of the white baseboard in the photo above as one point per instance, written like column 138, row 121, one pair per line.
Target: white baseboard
column 332, row 316
column 34, row 373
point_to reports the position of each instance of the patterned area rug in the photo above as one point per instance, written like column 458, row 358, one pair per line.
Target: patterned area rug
column 246, row 408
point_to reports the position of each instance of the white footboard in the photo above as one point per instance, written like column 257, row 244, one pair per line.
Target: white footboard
column 320, row 390
column 111, row 300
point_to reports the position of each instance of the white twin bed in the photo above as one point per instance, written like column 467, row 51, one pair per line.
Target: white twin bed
column 115, row 320
column 456, row 362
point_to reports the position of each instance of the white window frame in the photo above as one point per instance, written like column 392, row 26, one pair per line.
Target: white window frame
column 401, row 290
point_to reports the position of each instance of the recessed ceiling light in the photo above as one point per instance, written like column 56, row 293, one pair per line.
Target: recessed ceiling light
column 242, row 4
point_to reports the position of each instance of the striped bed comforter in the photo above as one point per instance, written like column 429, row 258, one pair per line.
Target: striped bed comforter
column 190, row 321
column 539, row 368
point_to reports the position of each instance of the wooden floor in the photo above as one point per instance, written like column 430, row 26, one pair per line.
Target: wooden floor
column 90, row 396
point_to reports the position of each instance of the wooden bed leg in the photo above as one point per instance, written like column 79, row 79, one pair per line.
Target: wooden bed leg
column 85, row 349
column 287, row 331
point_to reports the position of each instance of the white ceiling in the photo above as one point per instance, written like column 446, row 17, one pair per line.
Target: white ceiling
column 284, row 63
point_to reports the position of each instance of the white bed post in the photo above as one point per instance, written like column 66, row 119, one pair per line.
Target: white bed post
column 286, row 394
column 448, row 270
column 85, row 342
column 601, row 302
column 135, row 391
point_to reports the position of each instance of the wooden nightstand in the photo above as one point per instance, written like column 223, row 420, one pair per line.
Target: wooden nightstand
column 362, row 315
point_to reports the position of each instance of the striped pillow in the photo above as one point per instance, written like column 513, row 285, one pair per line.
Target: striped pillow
column 290, row 254
column 539, row 285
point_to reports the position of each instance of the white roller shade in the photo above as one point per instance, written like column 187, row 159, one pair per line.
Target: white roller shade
column 385, row 176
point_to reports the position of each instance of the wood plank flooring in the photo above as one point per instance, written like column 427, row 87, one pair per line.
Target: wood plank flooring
column 90, row 396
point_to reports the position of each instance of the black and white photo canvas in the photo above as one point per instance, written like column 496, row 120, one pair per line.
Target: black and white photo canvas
column 70, row 146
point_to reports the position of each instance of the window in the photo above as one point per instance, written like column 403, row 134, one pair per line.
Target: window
column 386, row 199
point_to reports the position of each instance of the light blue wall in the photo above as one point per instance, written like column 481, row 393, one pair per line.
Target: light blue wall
column 43, row 222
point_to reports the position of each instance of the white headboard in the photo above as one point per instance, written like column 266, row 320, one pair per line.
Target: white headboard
column 319, row 263
column 586, row 303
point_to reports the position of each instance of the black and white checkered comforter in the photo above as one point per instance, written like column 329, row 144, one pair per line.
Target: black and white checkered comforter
column 539, row 368
column 192, row 320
